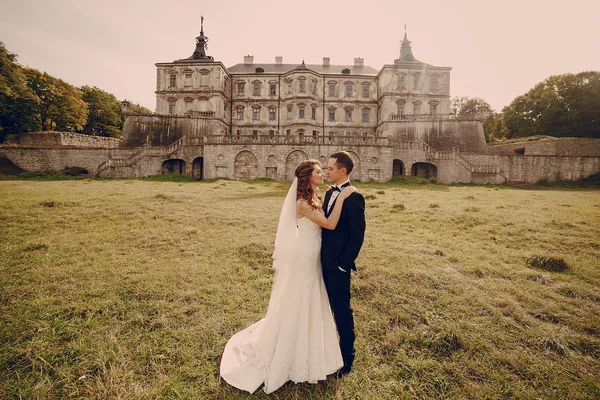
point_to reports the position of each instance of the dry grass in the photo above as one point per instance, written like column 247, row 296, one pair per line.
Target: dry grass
column 130, row 289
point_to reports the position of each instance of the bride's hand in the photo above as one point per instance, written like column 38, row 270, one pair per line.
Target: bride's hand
column 347, row 191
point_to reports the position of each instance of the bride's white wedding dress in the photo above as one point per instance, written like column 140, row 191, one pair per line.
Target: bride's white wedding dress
column 297, row 340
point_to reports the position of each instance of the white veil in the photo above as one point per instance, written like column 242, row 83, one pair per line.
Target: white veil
column 285, row 248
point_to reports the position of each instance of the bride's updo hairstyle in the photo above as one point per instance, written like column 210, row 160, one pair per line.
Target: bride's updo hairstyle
column 305, row 191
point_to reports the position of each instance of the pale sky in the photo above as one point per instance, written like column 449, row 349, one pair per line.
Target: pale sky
column 498, row 49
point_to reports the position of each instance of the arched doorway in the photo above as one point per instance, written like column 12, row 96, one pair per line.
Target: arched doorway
column 424, row 170
column 355, row 175
column 397, row 168
column 173, row 166
column 292, row 161
column 198, row 168
column 245, row 166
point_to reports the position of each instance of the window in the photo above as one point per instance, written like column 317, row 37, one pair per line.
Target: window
column 172, row 80
column 417, row 82
column 288, row 132
column 332, row 90
column 188, row 104
column 241, row 88
column 301, row 112
column 302, row 86
column 254, row 133
column 400, row 109
column 433, row 84
column 433, row 110
column 417, row 109
column 239, row 132
column 365, row 115
column 289, row 112
column 271, row 114
column 348, row 90
column 272, row 89
column 331, row 114
column 188, row 79
column 348, row 115
column 256, row 89
column 255, row 113
column 289, row 86
column 271, row 132
column 365, row 91
column 204, row 78
column 314, row 88
column 300, row 134
column 240, row 113
column 315, row 134
column 401, row 84
column 331, row 134
column 313, row 113
column 171, row 106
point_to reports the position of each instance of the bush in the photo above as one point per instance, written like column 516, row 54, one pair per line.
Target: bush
column 553, row 264
column 398, row 207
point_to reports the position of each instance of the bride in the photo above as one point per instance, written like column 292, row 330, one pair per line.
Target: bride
column 297, row 339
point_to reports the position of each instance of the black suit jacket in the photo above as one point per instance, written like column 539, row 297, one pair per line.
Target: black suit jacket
column 341, row 246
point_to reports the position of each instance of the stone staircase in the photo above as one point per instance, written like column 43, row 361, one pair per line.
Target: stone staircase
column 432, row 154
column 137, row 154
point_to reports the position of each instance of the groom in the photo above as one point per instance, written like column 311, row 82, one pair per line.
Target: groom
column 339, row 249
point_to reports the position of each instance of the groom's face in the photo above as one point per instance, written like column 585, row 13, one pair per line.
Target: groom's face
column 334, row 174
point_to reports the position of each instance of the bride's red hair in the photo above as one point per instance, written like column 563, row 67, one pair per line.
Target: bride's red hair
column 305, row 191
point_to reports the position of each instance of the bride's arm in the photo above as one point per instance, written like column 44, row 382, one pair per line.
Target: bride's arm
column 303, row 208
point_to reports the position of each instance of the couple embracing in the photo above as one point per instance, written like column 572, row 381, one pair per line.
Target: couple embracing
column 316, row 244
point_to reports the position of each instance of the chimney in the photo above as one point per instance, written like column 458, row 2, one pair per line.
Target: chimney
column 326, row 61
column 248, row 59
column 278, row 60
column 359, row 62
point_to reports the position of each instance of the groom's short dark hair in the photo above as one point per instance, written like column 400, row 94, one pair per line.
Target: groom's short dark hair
column 343, row 160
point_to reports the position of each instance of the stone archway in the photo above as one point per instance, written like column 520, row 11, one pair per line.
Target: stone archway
column 245, row 166
column 292, row 161
column 424, row 170
column 355, row 175
column 173, row 166
column 397, row 168
column 198, row 168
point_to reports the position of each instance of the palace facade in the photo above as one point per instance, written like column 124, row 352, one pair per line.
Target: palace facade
column 255, row 120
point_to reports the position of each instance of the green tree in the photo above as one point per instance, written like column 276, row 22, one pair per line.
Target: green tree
column 61, row 105
column 469, row 106
column 494, row 127
column 138, row 109
column 17, row 101
column 565, row 105
column 104, row 118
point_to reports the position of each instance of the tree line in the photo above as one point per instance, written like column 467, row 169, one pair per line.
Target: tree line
column 566, row 105
column 32, row 101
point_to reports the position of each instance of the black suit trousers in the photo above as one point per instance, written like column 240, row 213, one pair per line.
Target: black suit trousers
column 337, row 283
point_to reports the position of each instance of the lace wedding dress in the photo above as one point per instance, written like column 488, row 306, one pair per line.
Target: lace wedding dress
column 297, row 340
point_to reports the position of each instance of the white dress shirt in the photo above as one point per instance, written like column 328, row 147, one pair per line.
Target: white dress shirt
column 334, row 196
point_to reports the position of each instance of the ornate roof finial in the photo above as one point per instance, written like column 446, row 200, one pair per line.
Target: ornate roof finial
column 202, row 25
column 405, row 50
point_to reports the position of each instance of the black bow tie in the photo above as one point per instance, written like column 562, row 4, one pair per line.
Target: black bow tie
column 339, row 189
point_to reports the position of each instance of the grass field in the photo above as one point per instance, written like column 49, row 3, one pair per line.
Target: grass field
column 129, row 289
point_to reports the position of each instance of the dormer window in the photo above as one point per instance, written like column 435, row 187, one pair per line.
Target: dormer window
column 345, row 71
column 259, row 70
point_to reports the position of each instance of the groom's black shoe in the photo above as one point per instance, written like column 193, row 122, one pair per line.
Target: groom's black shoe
column 345, row 370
